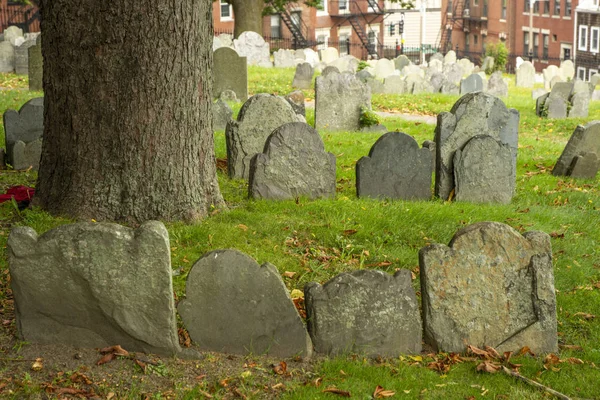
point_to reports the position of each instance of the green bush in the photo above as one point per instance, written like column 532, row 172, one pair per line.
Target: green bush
column 500, row 53
column 362, row 65
column 368, row 117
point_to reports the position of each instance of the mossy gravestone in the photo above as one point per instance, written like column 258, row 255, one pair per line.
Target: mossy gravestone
column 491, row 286
column 230, row 72
column 95, row 285
column 235, row 305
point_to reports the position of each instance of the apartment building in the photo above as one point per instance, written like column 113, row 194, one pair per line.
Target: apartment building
column 420, row 25
column 587, row 39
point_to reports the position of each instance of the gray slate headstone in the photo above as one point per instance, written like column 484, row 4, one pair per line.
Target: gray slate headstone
column 284, row 58
column 364, row 311
column 396, row 168
column 36, row 65
column 437, row 56
column 484, row 171
column 488, row 64
column 222, row 114
column 12, row 33
column 257, row 119
column 95, row 285
column 22, row 57
column 584, row 165
column 230, row 72
column 585, row 139
column 579, row 105
column 228, row 95
column 496, row 85
column 402, row 61
column 394, row 84
column 473, row 83
column 492, row 287
column 7, row 57
column 235, row 305
column 294, row 163
column 303, row 76
column 330, row 69
column 25, row 126
column 525, row 75
column 364, row 75
column 473, row 114
column 437, row 80
column 454, row 73
column 338, row 100
column 376, row 86
column 296, row 100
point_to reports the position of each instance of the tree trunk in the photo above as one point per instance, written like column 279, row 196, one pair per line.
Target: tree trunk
column 247, row 16
column 128, row 119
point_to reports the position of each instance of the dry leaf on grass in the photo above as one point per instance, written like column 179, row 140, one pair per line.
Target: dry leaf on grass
column 489, row 367
column 380, row 393
column 281, row 368
column 337, row 391
column 37, row 365
column 117, row 350
column 106, row 359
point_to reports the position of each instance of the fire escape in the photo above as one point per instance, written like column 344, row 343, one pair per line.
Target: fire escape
column 297, row 27
column 462, row 16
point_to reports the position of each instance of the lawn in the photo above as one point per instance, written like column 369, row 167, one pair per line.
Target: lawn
column 315, row 240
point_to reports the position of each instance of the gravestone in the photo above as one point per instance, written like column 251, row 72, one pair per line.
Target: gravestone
column 228, row 95
column 35, row 68
column 12, row 34
column 312, row 57
column 412, row 70
column 536, row 93
column 488, row 64
column 22, row 57
column 303, row 76
column 567, row 70
column 491, row 286
column 330, row 69
column 328, row 55
column 376, row 86
column 234, row 305
column 467, row 65
column 364, row 311
column 226, row 39
column 434, row 67
column 437, row 56
column 518, row 62
column 437, row 81
column 484, row 171
column 584, row 140
column 396, row 168
column 454, row 73
column 473, row 83
column 401, row 61
column 496, row 85
column 284, row 58
column 252, row 46
column 294, row 164
column 550, row 72
column 222, row 114
column 394, row 84
column 296, row 100
column 418, row 84
column 384, row 68
column 566, row 99
column 95, row 285
column 25, row 128
column 217, row 44
column 347, row 63
column 7, row 57
column 430, row 145
column 555, row 79
column 450, row 57
column 258, row 117
column 525, row 75
column 364, row 75
column 473, row 114
column 230, row 72
column 595, row 80
column 338, row 100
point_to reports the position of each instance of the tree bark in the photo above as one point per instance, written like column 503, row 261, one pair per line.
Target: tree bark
column 127, row 100
column 247, row 16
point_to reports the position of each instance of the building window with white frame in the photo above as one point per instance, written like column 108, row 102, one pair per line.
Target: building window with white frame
column 322, row 36
column 581, row 73
column 343, row 6
column 344, row 45
column 276, row 26
column 557, row 7
column 226, row 13
column 568, row 8
column 595, row 39
column 582, row 40
column 322, row 8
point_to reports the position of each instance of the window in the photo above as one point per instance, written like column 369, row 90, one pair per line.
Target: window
column 226, row 13
column 547, row 7
column 536, row 7
column 567, row 8
column 546, row 42
column 595, row 39
column 276, row 26
column 582, row 42
column 297, row 19
column 343, row 4
column 475, row 2
column 526, row 43
column 527, row 6
column 322, row 36
column 467, row 42
column 581, row 73
column 475, row 40
column 322, row 7
column 557, row 7
column 536, row 44
column 503, row 12
column 485, row 9
column 343, row 38
column 372, row 40
column 449, row 9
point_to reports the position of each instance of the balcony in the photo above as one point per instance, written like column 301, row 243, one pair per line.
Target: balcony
column 345, row 8
column 476, row 12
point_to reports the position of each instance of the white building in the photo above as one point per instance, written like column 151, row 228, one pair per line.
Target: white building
column 413, row 23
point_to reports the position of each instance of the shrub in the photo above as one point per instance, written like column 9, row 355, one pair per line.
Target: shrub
column 500, row 53
column 368, row 117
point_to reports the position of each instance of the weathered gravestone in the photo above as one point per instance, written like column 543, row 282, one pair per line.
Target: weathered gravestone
column 496, row 85
column 396, row 168
column 492, row 287
column 12, row 34
column 384, row 68
column 296, row 100
column 258, row 117
column 437, row 56
column 95, row 285
column 364, row 75
column 473, row 83
column 228, row 95
column 303, row 76
column 467, row 66
column 347, row 63
column 23, row 134
column 484, row 171
column 416, row 83
column 364, row 311
column 583, row 148
column 235, row 305
column 437, row 80
column 580, row 99
column 252, row 46
column 222, row 114
column 525, row 75
column 566, row 99
column 450, row 57
column 550, row 72
column 402, row 61
column 35, row 69
column 488, row 64
column 567, row 70
column 284, row 58
column 473, row 114
column 394, row 84
column 454, row 73
column 329, row 54
column 338, row 100
column 330, row 69
column 294, row 163
column 7, row 57
column 22, row 57
column 230, row 72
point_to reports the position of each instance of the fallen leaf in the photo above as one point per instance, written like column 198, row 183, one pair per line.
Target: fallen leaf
column 526, row 350
column 184, row 337
column 243, row 227
column 281, row 368
column 477, row 351
column 557, row 235
column 489, row 367
column 416, row 358
column 141, row 364
column 585, row 316
column 110, row 396
column 116, row 350
column 317, row 382
column 349, row 232
column 573, row 360
column 37, row 365
column 570, row 347
column 337, row 391
column 492, row 352
column 289, row 274
column 106, row 359
column 380, row 393
column 277, row 386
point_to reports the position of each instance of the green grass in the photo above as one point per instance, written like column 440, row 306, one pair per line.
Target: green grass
column 318, row 239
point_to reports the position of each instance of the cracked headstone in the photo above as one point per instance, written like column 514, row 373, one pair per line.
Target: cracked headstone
column 230, row 72
column 396, row 168
column 365, row 311
column 294, row 164
column 234, row 305
column 491, row 286
column 23, row 133
column 584, row 141
column 258, row 118
column 95, row 285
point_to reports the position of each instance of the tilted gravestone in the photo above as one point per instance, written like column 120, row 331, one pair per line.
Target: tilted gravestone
column 488, row 64
column 95, row 285
column 525, row 75
column 222, row 114
column 473, row 114
column 235, row 305
column 23, row 134
column 491, row 286
column 364, row 311
column 484, row 171
column 294, row 163
column 566, row 99
column 230, row 72
column 303, row 76
column 252, row 46
column 396, row 168
column 338, row 100
column 35, row 69
column 257, row 119
column 473, row 83
column 577, row 159
column 496, row 85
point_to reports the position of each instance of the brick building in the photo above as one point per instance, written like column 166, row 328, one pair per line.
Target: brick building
column 587, row 43
column 352, row 26
column 25, row 16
